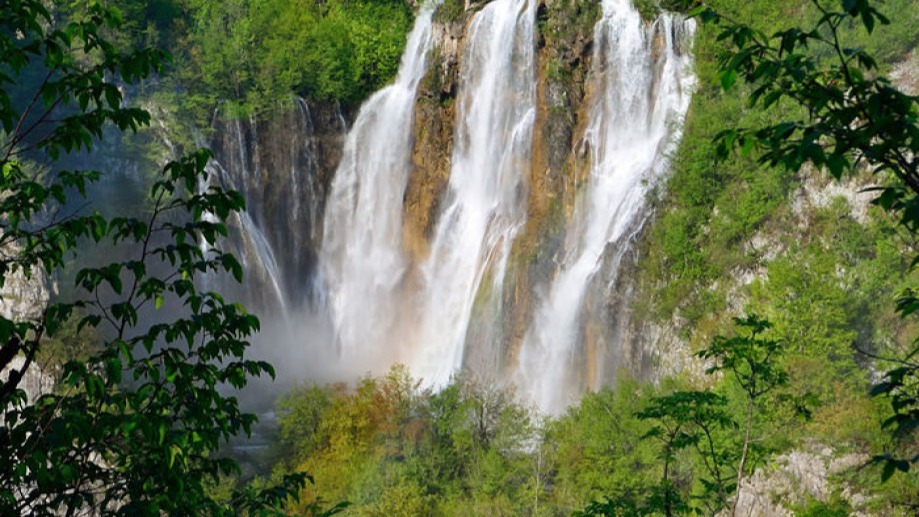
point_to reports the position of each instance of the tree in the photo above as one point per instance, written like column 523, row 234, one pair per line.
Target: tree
column 700, row 422
column 849, row 119
column 687, row 419
column 132, row 429
column 752, row 362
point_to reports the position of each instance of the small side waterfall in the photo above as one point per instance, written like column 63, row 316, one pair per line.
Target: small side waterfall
column 278, row 178
column 253, row 249
column 641, row 86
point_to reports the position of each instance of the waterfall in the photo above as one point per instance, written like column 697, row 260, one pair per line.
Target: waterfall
column 362, row 258
column 486, row 199
column 641, row 86
column 439, row 311
column 275, row 237
column 256, row 255
column 380, row 318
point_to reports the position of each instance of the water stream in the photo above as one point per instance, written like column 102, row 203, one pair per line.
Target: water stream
column 641, row 89
column 363, row 262
column 486, row 198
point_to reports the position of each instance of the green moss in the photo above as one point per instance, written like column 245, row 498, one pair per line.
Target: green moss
column 450, row 11
column 565, row 20
column 649, row 9
column 834, row 508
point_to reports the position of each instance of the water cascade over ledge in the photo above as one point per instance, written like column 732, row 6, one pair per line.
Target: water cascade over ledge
column 485, row 201
column 639, row 98
column 363, row 263
column 442, row 307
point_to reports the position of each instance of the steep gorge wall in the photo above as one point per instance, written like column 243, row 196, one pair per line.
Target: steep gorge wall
column 557, row 177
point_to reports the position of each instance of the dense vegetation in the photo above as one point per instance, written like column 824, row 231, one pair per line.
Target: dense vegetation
column 254, row 54
column 391, row 448
column 720, row 220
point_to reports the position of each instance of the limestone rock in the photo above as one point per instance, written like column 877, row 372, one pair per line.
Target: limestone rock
column 793, row 478
column 24, row 298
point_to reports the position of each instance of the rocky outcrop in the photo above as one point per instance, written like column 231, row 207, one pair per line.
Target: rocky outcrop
column 560, row 165
column 35, row 382
column 565, row 41
column 434, row 121
column 794, row 479
column 24, row 298
column 905, row 75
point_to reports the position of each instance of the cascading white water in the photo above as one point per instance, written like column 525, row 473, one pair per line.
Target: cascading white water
column 281, row 187
column 256, row 254
column 485, row 203
column 362, row 257
column 378, row 320
column 641, row 90
column 441, row 311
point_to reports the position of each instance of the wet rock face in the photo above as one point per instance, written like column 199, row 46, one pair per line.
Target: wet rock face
column 564, row 43
column 24, row 298
column 559, row 168
column 434, row 120
column 34, row 383
column 283, row 165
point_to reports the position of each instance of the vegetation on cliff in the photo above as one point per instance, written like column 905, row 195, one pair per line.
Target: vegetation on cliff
column 253, row 55
column 723, row 219
column 257, row 53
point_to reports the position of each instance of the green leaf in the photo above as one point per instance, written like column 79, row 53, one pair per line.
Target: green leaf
column 728, row 77
column 868, row 20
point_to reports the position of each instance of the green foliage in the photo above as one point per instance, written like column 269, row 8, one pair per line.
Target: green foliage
column 751, row 359
column 564, row 21
column 649, row 9
column 255, row 54
column 821, row 509
column 391, row 448
column 714, row 208
column 849, row 115
column 691, row 419
column 709, row 210
column 136, row 417
column 599, row 450
column 300, row 414
column 704, row 452
column 450, row 11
